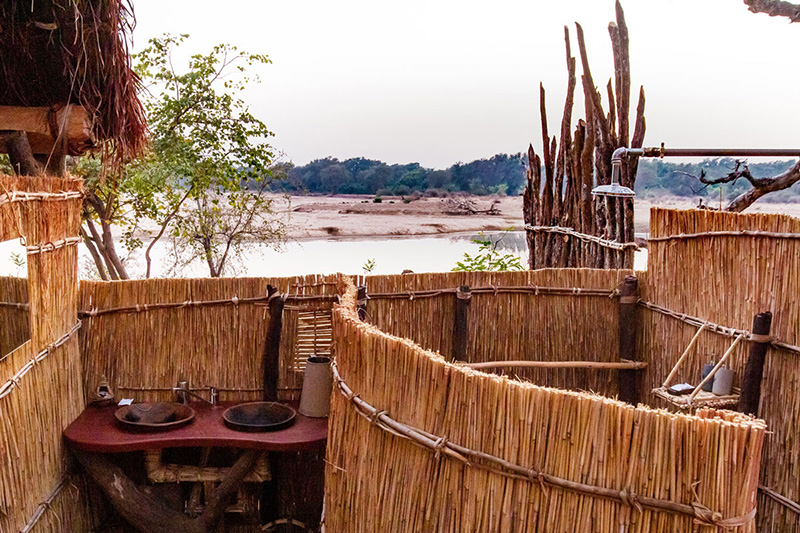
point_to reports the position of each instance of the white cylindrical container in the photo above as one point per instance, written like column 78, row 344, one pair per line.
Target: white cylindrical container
column 315, row 399
column 723, row 382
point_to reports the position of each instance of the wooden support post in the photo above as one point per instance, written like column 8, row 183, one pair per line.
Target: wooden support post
column 361, row 306
column 463, row 297
column 628, row 381
column 147, row 513
column 273, row 346
column 754, row 370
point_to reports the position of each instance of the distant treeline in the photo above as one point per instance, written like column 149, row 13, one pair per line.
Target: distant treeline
column 504, row 174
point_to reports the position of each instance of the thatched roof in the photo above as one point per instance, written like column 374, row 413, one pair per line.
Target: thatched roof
column 58, row 52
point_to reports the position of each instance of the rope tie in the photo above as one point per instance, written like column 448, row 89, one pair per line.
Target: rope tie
column 235, row 300
column 703, row 516
column 186, row 303
column 439, row 445
column 534, row 476
column 631, row 500
column 373, row 418
column 138, row 308
column 410, row 296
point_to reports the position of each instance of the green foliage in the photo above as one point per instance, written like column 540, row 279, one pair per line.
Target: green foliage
column 205, row 178
column 377, row 200
column 368, row 266
column 489, row 258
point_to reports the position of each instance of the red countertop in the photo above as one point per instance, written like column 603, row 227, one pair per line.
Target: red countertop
column 96, row 430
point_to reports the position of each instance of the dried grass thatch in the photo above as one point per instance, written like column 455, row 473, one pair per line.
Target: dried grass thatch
column 381, row 481
column 59, row 52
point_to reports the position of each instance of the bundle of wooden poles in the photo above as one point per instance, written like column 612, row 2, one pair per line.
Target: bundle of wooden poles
column 558, row 196
column 419, row 444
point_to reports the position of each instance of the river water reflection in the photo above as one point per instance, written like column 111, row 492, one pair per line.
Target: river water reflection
column 391, row 255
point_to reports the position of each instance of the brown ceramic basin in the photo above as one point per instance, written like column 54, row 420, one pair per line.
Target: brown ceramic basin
column 159, row 416
column 259, row 416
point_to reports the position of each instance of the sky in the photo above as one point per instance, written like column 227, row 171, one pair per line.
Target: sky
column 442, row 81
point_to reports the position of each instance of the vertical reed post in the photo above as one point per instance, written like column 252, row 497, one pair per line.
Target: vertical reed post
column 463, row 297
column 754, row 369
column 628, row 381
column 273, row 345
column 361, row 306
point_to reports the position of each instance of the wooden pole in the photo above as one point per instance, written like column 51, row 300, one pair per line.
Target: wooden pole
column 463, row 297
column 361, row 295
column 628, row 381
column 754, row 370
column 273, row 345
column 610, row 365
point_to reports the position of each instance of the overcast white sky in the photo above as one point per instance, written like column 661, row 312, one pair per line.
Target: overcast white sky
column 440, row 81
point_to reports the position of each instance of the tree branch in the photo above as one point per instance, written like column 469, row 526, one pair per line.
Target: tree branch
column 775, row 8
column 761, row 186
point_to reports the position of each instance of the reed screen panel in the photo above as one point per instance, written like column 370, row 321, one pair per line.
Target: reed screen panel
column 563, row 321
column 144, row 335
column 726, row 268
column 40, row 383
column 518, row 438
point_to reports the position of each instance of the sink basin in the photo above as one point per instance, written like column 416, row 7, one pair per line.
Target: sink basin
column 159, row 416
column 259, row 416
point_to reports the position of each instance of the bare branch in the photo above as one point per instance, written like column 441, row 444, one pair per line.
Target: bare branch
column 775, row 8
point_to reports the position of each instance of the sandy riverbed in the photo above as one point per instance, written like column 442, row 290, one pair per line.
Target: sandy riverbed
column 312, row 217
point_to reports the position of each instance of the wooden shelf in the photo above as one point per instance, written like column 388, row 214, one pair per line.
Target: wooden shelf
column 703, row 399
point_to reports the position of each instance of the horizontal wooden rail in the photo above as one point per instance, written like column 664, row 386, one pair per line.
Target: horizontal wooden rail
column 605, row 243
column 718, row 329
column 142, row 308
column 607, row 365
column 517, row 289
column 780, row 498
column 740, row 233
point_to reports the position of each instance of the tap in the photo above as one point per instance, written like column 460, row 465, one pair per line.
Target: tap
column 183, row 394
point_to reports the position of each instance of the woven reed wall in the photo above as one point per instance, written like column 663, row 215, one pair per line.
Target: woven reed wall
column 210, row 345
column 511, row 326
column 377, row 481
column 14, row 322
column 49, row 396
column 727, row 280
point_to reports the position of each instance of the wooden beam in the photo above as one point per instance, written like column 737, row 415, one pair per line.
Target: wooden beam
column 272, row 347
column 460, row 323
column 46, row 126
column 628, row 380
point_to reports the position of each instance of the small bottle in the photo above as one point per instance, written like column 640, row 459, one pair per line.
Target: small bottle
column 708, row 387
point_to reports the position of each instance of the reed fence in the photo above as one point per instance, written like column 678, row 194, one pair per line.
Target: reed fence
column 552, row 315
column 420, row 444
column 724, row 268
column 146, row 335
column 41, row 382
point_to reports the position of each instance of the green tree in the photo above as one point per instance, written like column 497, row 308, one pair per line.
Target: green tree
column 205, row 180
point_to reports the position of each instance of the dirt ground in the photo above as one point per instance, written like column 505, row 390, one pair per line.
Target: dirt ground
column 312, row 217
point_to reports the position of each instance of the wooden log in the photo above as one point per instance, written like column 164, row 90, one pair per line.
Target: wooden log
column 273, row 346
column 45, row 126
column 20, row 155
column 628, row 380
column 463, row 297
column 361, row 295
column 754, row 369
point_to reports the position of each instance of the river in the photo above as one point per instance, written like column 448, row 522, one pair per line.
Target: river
column 391, row 255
